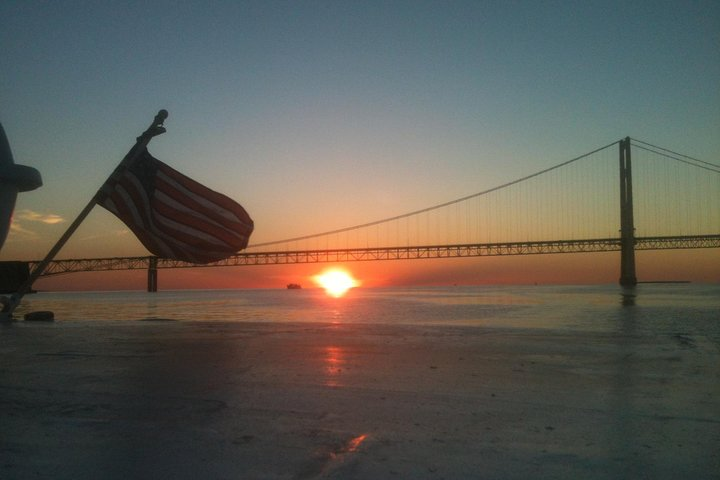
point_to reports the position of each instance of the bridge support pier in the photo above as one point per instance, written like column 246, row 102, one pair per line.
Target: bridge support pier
column 628, row 277
column 152, row 275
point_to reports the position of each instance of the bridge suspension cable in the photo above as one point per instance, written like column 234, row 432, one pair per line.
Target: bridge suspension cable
column 675, row 156
column 432, row 208
column 675, row 193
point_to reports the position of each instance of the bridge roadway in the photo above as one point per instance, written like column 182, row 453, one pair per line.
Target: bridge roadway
column 57, row 267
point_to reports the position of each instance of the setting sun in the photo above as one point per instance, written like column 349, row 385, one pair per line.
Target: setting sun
column 336, row 282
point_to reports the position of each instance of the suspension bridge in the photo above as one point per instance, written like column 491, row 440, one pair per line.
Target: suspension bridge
column 626, row 196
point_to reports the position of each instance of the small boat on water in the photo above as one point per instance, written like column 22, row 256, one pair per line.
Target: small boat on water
column 294, row 286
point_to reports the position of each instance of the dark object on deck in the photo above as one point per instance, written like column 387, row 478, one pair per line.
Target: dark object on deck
column 294, row 286
column 40, row 316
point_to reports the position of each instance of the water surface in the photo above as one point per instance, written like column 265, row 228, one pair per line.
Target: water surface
column 661, row 308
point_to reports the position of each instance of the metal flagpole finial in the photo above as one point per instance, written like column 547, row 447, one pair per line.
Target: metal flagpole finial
column 161, row 116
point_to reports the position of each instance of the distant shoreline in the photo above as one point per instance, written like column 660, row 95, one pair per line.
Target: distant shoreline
column 666, row 281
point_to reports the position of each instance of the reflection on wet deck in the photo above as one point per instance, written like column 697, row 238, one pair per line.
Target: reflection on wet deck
column 354, row 443
column 334, row 361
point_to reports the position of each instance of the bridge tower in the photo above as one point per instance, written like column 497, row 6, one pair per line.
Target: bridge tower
column 627, row 223
column 152, row 275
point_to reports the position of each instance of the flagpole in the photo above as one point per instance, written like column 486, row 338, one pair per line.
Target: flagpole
column 153, row 130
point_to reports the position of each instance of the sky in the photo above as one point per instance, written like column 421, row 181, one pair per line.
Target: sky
column 320, row 115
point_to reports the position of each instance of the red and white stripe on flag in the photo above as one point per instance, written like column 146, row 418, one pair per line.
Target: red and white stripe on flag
column 174, row 216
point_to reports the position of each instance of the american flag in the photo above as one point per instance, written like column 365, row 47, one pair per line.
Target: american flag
column 174, row 216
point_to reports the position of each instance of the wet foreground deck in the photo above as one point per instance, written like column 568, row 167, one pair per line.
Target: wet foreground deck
column 302, row 401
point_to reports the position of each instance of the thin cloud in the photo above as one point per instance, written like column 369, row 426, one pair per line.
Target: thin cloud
column 17, row 230
column 114, row 233
column 48, row 218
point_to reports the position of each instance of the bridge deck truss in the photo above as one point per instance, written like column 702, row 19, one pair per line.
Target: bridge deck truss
column 57, row 267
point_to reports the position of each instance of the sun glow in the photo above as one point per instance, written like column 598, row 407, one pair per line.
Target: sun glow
column 336, row 282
